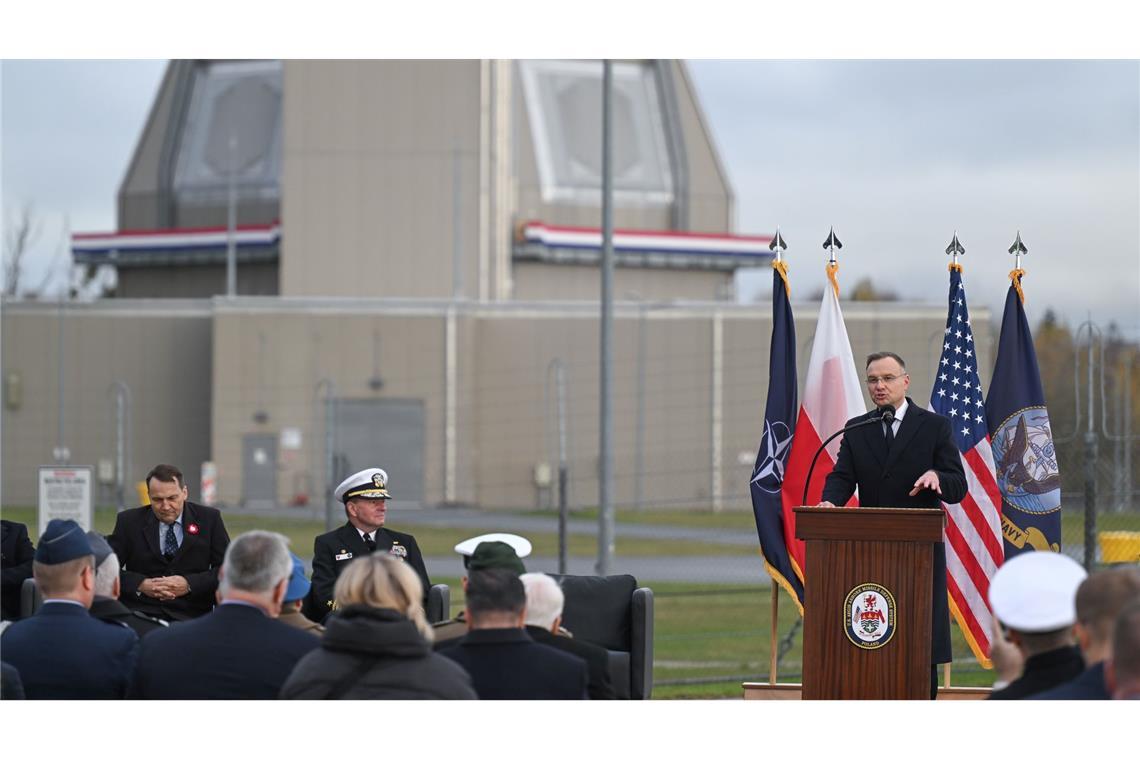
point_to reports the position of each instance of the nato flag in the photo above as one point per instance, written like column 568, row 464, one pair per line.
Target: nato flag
column 779, row 426
column 1022, row 439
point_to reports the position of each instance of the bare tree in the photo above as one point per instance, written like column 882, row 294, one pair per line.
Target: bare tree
column 19, row 234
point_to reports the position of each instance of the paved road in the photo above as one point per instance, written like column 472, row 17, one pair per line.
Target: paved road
column 508, row 522
column 695, row 569
column 703, row 569
column 715, row 569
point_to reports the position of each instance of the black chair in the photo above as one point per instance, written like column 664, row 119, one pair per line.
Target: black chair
column 438, row 603
column 30, row 598
column 614, row 613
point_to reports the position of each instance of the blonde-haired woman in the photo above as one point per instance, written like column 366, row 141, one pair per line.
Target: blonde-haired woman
column 377, row 644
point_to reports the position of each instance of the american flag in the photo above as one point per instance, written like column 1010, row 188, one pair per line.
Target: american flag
column 973, row 528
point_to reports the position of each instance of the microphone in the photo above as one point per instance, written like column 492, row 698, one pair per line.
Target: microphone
column 886, row 413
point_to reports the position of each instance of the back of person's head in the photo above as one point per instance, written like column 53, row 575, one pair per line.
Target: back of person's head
column 107, row 576
column 1100, row 598
column 1033, row 595
column 63, row 565
column 495, row 598
column 255, row 563
column 1125, row 662
column 106, row 566
column 62, row 579
column 544, row 600
column 378, row 580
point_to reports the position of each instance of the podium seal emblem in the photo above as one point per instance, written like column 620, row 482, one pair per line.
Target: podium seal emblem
column 870, row 611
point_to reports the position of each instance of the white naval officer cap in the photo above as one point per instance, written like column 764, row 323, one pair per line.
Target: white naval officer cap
column 1036, row 592
column 521, row 546
column 366, row 484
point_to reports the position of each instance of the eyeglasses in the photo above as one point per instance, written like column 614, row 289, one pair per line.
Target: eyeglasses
column 886, row 379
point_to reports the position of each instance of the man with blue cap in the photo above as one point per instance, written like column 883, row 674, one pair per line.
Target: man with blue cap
column 62, row 652
column 365, row 498
column 295, row 594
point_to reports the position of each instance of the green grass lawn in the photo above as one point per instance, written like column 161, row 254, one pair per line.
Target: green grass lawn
column 433, row 540
column 727, row 520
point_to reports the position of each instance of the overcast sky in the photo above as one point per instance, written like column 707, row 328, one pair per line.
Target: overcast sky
column 897, row 155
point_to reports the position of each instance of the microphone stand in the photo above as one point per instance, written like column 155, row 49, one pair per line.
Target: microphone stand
column 887, row 416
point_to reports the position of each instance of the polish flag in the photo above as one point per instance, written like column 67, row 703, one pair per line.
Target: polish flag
column 832, row 395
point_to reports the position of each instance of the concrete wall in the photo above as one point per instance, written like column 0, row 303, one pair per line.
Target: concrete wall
column 539, row 281
column 143, row 202
column 270, row 355
column 368, row 170
column 161, row 349
column 258, row 279
column 682, row 432
column 710, row 197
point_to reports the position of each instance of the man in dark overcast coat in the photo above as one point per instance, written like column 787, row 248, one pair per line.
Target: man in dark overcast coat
column 16, row 553
column 920, row 468
column 238, row 651
column 170, row 550
column 503, row 661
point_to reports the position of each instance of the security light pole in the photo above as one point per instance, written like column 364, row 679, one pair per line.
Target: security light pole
column 605, row 475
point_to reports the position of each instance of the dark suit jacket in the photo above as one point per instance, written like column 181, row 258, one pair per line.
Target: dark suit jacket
column 345, row 542
column 235, row 652
column 17, row 555
column 114, row 611
column 1090, row 684
column 1043, row 672
column 135, row 541
column 885, row 479
column 64, row 653
column 597, row 660
column 505, row 663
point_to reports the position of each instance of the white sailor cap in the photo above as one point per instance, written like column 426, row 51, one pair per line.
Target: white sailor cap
column 366, row 484
column 521, row 546
column 1036, row 592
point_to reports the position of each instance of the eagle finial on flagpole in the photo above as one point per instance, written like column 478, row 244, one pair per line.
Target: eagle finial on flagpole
column 1018, row 249
column 778, row 245
column 955, row 249
column 831, row 244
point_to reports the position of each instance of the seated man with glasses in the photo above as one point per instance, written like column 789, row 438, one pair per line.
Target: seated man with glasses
column 913, row 462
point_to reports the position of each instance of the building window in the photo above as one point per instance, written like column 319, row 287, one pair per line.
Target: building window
column 564, row 104
column 233, row 124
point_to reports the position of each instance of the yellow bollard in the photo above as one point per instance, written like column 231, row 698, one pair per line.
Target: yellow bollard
column 144, row 494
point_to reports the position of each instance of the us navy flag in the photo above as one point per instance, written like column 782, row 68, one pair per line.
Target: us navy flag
column 1022, row 439
column 779, row 425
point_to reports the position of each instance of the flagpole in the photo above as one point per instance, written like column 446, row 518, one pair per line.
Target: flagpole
column 776, row 245
column 772, row 638
column 954, row 249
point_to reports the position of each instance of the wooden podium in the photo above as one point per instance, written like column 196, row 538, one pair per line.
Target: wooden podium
column 867, row 601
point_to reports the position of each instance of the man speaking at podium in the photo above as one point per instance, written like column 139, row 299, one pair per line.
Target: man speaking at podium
column 911, row 462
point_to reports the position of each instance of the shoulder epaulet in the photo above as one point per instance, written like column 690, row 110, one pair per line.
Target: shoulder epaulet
column 114, row 622
column 149, row 619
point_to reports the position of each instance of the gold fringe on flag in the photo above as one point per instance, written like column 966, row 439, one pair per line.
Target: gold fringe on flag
column 833, row 275
column 1016, row 276
column 955, row 267
column 782, row 268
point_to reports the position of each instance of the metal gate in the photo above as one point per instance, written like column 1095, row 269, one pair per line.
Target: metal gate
column 259, row 471
column 386, row 433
